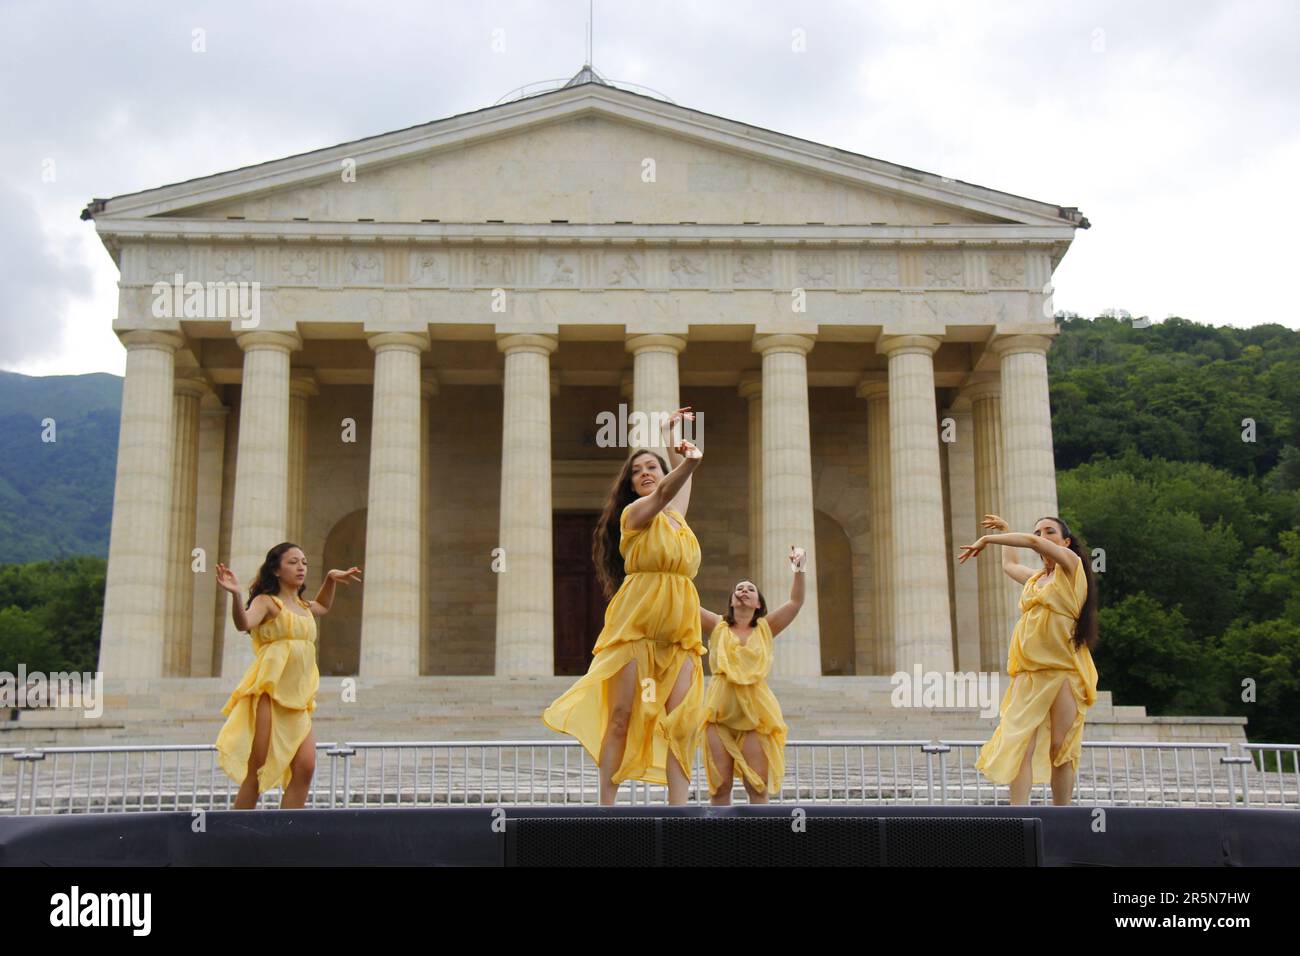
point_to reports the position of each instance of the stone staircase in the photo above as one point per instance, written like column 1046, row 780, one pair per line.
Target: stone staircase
column 188, row 710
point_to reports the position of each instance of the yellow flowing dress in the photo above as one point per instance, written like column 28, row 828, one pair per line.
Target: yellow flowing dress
column 653, row 619
column 1041, row 658
column 284, row 666
column 739, row 702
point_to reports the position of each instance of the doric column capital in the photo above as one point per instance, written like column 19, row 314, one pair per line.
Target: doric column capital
column 191, row 383
column 409, row 341
column 874, row 387
column 903, row 344
column 981, row 391
column 1003, row 345
column 428, row 383
column 783, row 342
column 509, row 342
column 280, row 341
column 751, row 385
column 151, row 338
column 655, row 343
column 303, row 384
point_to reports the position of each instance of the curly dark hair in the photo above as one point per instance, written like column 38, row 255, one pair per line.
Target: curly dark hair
column 266, row 581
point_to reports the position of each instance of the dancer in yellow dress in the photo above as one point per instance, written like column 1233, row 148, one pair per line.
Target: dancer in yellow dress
column 267, row 740
column 641, row 701
column 744, row 731
column 1053, row 678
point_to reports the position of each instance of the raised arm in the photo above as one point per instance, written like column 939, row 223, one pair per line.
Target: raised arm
column 1018, row 539
column 682, row 501
column 1057, row 552
column 781, row 618
column 325, row 596
column 1020, row 573
column 642, row 511
column 708, row 621
column 245, row 618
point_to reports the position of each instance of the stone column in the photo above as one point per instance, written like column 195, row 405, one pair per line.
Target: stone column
column 189, row 391
column 922, row 627
column 751, row 389
column 207, row 530
column 132, row 635
column 625, row 395
column 428, row 390
column 257, row 522
column 302, row 385
column 788, row 495
column 995, row 605
column 1029, row 468
column 655, row 380
column 876, row 392
column 390, row 604
column 963, row 528
column 525, row 595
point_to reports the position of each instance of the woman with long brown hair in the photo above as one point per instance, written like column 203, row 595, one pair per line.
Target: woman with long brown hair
column 638, row 708
column 1053, row 678
column 267, row 740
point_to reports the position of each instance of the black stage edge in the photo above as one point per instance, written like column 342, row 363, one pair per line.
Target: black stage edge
column 815, row 835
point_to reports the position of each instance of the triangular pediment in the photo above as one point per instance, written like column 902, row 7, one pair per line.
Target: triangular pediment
column 585, row 154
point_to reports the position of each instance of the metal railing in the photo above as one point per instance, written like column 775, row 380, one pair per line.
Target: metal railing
column 52, row 780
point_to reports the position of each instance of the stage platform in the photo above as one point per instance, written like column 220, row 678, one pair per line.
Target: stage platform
column 661, row 836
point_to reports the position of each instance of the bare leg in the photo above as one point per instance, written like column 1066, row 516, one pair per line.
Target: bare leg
column 621, row 688
column 725, row 765
column 679, row 780
column 301, row 770
column 752, row 748
column 246, row 798
column 1024, row 781
column 1063, row 714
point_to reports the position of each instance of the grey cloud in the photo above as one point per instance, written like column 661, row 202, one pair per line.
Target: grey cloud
column 37, row 277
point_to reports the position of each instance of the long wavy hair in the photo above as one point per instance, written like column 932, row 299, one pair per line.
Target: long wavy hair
column 1086, row 627
column 760, row 611
column 604, row 541
column 266, row 581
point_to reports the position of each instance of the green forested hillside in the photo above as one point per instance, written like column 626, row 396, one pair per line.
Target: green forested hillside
column 1199, row 528
column 56, row 498
column 50, row 612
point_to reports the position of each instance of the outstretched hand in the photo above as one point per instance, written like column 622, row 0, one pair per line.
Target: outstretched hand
column 798, row 558
column 343, row 577
column 667, row 426
column 688, row 450
column 226, row 579
column 970, row 550
column 994, row 523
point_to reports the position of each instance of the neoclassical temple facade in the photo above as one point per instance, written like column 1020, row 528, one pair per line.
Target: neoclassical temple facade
column 443, row 314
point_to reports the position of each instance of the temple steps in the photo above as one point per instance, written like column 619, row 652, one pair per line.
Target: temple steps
column 188, row 710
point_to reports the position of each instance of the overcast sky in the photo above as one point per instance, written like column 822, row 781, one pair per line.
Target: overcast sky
column 1172, row 125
